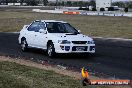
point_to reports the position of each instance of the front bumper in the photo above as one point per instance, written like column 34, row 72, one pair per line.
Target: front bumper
column 72, row 48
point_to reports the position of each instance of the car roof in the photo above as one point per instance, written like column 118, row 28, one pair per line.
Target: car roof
column 51, row 21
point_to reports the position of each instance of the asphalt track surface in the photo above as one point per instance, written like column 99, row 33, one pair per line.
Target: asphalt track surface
column 113, row 58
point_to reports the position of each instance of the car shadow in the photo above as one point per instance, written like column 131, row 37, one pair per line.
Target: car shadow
column 82, row 56
column 75, row 55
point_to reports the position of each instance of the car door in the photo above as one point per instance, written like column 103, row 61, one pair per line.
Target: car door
column 41, row 38
column 30, row 34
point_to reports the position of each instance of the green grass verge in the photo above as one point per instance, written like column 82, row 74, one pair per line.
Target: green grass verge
column 13, row 75
column 98, row 26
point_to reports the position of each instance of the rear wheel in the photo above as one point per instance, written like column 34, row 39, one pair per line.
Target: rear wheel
column 51, row 50
column 24, row 45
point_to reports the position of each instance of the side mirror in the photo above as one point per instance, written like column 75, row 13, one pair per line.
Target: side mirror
column 25, row 26
column 42, row 31
column 79, row 31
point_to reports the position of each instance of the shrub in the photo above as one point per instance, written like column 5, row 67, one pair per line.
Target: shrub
column 126, row 9
column 94, row 9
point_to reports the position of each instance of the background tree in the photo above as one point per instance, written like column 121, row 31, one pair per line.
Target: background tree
column 62, row 3
column 86, row 4
column 32, row 2
column 80, row 3
column 52, row 4
column 13, row 1
column 129, row 4
column 45, row 2
column 74, row 4
column 69, row 3
column 119, row 4
column 92, row 3
column 22, row 1
column 4, row 1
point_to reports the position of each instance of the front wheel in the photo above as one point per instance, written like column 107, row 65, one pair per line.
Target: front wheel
column 24, row 45
column 51, row 50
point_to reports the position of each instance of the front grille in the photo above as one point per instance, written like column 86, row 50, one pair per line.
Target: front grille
column 74, row 48
column 79, row 42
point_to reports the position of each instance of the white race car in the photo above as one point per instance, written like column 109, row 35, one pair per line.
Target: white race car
column 55, row 37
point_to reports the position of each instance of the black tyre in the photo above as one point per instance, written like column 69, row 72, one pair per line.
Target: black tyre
column 24, row 45
column 51, row 50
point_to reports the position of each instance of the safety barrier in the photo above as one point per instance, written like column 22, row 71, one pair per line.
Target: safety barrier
column 129, row 14
column 107, row 14
column 48, row 11
column 71, row 12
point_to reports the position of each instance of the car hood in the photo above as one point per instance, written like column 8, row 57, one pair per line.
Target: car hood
column 70, row 37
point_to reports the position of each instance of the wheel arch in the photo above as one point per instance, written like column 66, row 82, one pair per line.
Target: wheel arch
column 49, row 41
column 23, row 38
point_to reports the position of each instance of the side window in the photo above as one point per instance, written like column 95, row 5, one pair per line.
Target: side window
column 41, row 26
column 36, row 26
column 33, row 27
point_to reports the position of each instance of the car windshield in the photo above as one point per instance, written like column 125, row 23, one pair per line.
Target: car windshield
column 58, row 27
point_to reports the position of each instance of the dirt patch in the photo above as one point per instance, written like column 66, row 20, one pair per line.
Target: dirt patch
column 57, row 69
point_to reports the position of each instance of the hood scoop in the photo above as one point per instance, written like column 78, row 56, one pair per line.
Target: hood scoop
column 71, row 34
column 63, row 36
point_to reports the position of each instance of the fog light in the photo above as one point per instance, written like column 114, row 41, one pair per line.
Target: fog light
column 62, row 47
column 92, row 48
column 67, row 48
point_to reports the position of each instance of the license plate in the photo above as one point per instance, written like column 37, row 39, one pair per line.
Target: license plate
column 80, row 48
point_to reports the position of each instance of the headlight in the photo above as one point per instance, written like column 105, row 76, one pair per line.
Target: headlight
column 64, row 42
column 90, row 42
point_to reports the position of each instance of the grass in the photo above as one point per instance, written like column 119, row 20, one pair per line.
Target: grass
column 13, row 75
column 98, row 26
